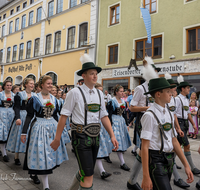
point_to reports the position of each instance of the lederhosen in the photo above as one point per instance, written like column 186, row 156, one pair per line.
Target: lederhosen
column 161, row 163
column 184, row 125
column 85, row 141
column 138, row 125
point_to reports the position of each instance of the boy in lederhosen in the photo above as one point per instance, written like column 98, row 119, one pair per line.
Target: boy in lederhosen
column 184, row 116
column 139, row 104
column 159, row 140
column 178, row 181
column 87, row 106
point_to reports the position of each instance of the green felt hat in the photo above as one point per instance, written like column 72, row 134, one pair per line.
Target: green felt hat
column 157, row 84
column 87, row 64
column 171, row 81
column 184, row 84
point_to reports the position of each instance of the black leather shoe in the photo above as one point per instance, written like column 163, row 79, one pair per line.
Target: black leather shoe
column 107, row 159
column 196, row 171
column 104, row 175
column 124, row 167
column 180, row 183
column 35, row 179
column 133, row 187
column 134, row 153
column 178, row 167
column 5, row 158
column 0, row 153
column 17, row 162
column 197, row 186
column 47, row 189
column 72, row 150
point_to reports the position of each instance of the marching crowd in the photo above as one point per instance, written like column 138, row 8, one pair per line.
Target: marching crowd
column 37, row 120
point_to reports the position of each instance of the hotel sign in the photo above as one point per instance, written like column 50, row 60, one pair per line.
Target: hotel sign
column 177, row 67
column 27, row 67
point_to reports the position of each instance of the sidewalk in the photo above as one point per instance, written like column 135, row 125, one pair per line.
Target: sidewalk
column 10, row 180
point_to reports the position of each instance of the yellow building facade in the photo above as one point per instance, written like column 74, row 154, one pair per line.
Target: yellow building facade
column 40, row 37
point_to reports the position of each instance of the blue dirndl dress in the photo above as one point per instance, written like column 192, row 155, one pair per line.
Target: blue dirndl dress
column 40, row 158
column 105, row 144
column 14, row 143
column 119, row 122
column 6, row 116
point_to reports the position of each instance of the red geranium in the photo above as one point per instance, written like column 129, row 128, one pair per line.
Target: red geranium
column 49, row 104
column 122, row 106
column 9, row 99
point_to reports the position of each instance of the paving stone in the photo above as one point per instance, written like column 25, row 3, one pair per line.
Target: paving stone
column 17, row 186
column 30, row 186
column 4, row 187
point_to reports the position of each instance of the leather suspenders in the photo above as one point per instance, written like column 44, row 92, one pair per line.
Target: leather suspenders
column 146, row 95
column 85, row 104
column 182, row 108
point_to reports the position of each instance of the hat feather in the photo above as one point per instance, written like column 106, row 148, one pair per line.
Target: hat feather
column 180, row 79
column 168, row 76
column 85, row 58
column 148, row 71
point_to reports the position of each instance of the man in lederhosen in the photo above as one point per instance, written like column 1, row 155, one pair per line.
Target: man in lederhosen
column 87, row 106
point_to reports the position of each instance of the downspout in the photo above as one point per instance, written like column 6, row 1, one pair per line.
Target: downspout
column 96, row 33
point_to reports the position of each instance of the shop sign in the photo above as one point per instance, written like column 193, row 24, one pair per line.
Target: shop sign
column 177, row 67
column 13, row 69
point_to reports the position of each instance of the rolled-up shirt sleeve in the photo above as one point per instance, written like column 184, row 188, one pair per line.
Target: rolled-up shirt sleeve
column 103, row 111
column 136, row 97
column 69, row 104
column 147, row 122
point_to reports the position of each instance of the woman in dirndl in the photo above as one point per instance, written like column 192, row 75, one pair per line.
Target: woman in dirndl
column 6, row 115
column 40, row 158
column 117, row 114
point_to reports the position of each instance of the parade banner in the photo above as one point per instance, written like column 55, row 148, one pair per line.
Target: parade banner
column 169, row 67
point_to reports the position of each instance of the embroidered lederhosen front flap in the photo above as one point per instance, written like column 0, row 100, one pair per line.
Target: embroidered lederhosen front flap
column 167, row 126
column 93, row 107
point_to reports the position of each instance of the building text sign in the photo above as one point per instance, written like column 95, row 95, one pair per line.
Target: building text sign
column 27, row 67
column 169, row 67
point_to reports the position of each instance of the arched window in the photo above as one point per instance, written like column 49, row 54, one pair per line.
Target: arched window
column 9, row 78
column 32, row 77
column 83, row 34
column 53, row 76
column 18, row 79
column 57, row 41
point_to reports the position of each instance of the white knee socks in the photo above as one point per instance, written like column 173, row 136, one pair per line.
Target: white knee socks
column 121, row 158
column 100, row 165
column 3, row 149
column 45, row 181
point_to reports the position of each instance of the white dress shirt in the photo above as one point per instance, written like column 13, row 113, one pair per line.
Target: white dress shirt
column 179, row 106
column 151, row 131
column 107, row 98
column 74, row 105
column 139, row 99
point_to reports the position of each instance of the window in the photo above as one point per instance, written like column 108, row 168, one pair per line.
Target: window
column 73, row 3
column 24, row 4
column 21, row 51
column 71, row 38
column 10, row 79
column 30, row 18
column 28, row 50
column 83, row 34
column 24, row 21
column 113, row 54
column 51, row 8
column 39, row 14
column 14, row 53
column 83, row 1
column 32, row 77
column 4, row 16
column 48, row 44
column 17, row 24
column 53, row 76
column 153, row 50
column 150, row 5
column 8, row 55
column 3, row 30
column 10, row 27
column 114, row 14
column 18, row 9
column 1, row 55
column 193, row 38
column 31, row 2
column 37, row 47
column 57, row 41
column 0, row 18
column 11, row 12
column 59, row 6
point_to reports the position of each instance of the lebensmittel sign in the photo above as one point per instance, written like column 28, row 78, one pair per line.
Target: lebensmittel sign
column 177, row 67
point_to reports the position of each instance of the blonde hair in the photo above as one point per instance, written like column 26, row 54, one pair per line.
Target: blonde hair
column 26, row 81
column 195, row 95
column 43, row 79
column 97, row 85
